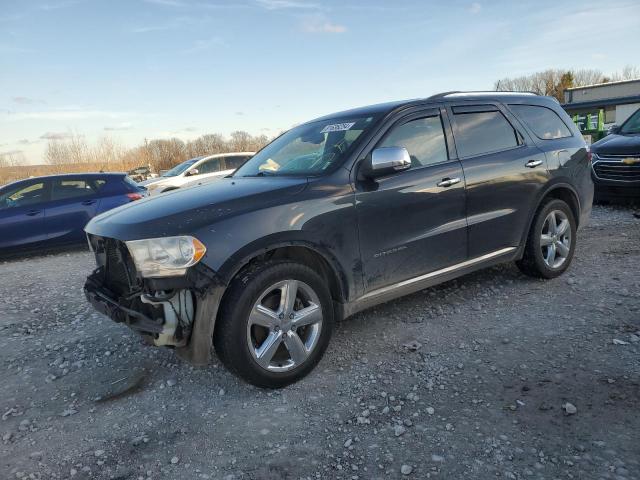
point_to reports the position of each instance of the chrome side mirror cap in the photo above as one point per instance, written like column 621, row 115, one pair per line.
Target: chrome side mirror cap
column 385, row 160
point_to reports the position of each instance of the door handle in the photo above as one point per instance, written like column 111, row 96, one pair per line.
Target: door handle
column 88, row 202
column 533, row 163
column 447, row 182
column 31, row 213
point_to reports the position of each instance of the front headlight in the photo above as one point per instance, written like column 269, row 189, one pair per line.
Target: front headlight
column 166, row 256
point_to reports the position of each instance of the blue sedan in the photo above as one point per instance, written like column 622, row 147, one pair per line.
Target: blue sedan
column 53, row 210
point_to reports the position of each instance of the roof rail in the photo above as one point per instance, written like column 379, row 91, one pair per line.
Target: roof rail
column 455, row 93
column 443, row 94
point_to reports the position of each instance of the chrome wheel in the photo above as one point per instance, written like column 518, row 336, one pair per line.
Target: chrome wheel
column 555, row 240
column 284, row 326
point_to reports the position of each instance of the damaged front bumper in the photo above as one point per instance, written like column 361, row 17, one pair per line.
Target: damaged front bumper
column 178, row 312
column 165, row 317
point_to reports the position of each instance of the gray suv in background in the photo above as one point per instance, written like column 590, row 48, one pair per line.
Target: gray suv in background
column 337, row 215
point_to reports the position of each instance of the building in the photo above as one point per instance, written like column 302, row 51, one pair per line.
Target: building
column 594, row 108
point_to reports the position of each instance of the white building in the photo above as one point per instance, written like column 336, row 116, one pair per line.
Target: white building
column 618, row 100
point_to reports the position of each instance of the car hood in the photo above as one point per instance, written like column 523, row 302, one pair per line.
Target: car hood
column 149, row 181
column 617, row 145
column 185, row 211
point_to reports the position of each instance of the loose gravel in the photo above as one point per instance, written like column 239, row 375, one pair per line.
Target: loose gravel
column 493, row 375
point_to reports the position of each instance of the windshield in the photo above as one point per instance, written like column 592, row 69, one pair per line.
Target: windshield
column 178, row 169
column 632, row 125
column 309, row 149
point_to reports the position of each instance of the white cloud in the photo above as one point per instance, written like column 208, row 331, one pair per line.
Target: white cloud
column 167, row 3
column 320, row 24
column 205, row 44
column 11, row 153
column 47, row 7
column 474, row 8
column 62, row 115
column 119, row 127
column 558, row 41
column 56, row 135
column 25, row 100
column 286, row 4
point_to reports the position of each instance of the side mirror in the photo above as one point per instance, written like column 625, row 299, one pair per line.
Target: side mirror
column 613, row 129
column 386, row 160
column 193, row 171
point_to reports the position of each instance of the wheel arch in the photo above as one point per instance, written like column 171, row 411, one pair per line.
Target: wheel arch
column 304, row 252
column 562, row 191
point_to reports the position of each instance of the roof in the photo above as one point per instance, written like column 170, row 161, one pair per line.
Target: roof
column 227, row 154
column 385, row 108
column 597, row 85
column 69, row 175
column 216, row 155
column 601, row 103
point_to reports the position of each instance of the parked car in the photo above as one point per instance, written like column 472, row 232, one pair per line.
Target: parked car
column 616, row 161
column 54, row 210
column 140, row 174
column 196, row 171
column 340, row 214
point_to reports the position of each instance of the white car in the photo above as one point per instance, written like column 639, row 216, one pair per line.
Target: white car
column 196, row 171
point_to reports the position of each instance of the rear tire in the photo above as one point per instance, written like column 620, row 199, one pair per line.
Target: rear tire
column 266, row 336
column 551, row 241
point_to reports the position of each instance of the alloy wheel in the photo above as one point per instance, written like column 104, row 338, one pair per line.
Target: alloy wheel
column 284, row 326
column 555, row 239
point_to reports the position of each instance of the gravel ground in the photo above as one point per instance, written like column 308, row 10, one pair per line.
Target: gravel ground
column 494, row 375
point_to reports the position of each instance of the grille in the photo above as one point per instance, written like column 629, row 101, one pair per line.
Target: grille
column 119, row 268
column 614, row 168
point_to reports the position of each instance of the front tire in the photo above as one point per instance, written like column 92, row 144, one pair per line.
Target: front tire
column 275, row 323
column 551, row 241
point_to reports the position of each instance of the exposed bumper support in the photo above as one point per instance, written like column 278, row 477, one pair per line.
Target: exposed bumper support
column 105, row 302
column 198, row 350
column 199, row 336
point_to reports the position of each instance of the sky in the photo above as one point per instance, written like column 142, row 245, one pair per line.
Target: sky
column 136, row 69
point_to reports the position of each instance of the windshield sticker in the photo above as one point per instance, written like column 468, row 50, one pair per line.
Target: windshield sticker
column 337, row 127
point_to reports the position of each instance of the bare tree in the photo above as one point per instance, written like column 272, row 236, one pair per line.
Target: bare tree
column 74, row 154
column 587, row 76
column 554, row 82
column 206, row 145
column 627, row 73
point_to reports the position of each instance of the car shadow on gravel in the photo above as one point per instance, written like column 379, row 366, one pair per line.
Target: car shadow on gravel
column 30, row 254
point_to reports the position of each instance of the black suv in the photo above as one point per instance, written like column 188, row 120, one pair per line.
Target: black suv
column 339, row 214
column 616, row 161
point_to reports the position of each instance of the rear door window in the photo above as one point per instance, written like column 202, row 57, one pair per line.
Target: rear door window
column 72, row 188
column 483, row 130
column 544, row 122
column 23, row 195
column 231, row 163
column 209, row 166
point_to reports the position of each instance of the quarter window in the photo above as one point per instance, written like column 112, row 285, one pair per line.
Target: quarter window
column 423, row 138
column 483, row 132
column 543, row 121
